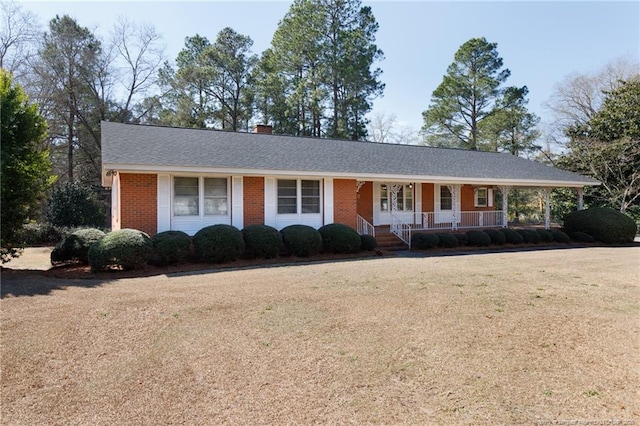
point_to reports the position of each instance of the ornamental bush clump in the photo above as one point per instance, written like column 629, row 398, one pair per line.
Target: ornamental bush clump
column 35, row 233
column 262, row 241
column 302, row 240
column 423, row 241
column 529, row 236
column 75, row 246
column 339, row 238
column 559, row 236
column 545, row 236
column 73, row 204
column 604, row 224
column 512, row 236
column 462, row 239
column 124, row 248
column 170, row 247
column 478, row 238
column 447, row 240
column 368, row 242
column 496, row 236
column 581, row 237
column 218, row 243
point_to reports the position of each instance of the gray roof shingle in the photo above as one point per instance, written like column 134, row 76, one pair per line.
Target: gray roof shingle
column 142, row 145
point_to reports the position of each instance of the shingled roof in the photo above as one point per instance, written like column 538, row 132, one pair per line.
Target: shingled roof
column 143, row 147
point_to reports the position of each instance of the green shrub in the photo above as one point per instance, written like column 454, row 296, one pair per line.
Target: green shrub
column 124, row 248
column 339, row 238
column 478, row 238
column 496, row 236
column 604, row 224
column 368, row 242
column 262, row 241
column 529, row 236
column 512, row 236
column 545, row 236
column 42, row 233
column 581, row 237
column 170, row 247
column 75, row 246
column 218, row 243
column 559, row 236
column 462, row 239
column 302, row 240
column 447, row 240
column 424, row 241
column 74, row 205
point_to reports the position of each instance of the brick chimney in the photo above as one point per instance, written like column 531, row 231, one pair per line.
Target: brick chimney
column 264, row 129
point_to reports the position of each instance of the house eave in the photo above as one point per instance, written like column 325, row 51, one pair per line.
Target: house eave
column 110, row 168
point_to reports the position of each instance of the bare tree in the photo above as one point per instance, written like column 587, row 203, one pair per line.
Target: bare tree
column 385, row 128
column 19, row 31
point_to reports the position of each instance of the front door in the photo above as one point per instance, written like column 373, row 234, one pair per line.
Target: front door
column 382, row 203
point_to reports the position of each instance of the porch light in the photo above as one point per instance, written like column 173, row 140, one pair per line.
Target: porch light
column 384, row 187
column 411, row 186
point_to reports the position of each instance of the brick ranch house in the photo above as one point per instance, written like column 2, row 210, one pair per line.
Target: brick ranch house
column 165, row 178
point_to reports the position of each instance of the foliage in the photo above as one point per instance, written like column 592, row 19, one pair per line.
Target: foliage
column 529, row 236
column 581, row 237
column 339, row 238
column 424, row 241
column 42, row 233
column 496, row 236
column 478, row 238
column 73, row 205
column 25, row 166
column 302, row 240
column 368, row 242
column 545, row 236
column 559, row 236
column 170, row 247
column 462, row 239
column 472, row 93
column 218, row 243
column 447, row 241
column 512, row 236
column 124, row 248
column 75, row 246
column 262, row 241
column 604, row 224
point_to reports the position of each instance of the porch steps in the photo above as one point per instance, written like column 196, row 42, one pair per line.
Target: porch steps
column 388, row 241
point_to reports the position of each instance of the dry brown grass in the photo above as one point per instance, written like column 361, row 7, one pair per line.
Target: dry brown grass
column 512, row 338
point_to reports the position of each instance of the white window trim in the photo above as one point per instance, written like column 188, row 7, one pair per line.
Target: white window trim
column 201, row 197
column 476, row 202
column 299, row 198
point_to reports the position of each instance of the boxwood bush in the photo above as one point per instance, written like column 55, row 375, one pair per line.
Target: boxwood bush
column 262, row 241
column 368, row 242
column 75, row 246
column 496, row 236
column 581, row 237
column 604, row 224
column 478, row 238
column 218, row 243
column 559, row 236
column 545, row 236
column 302, row 240
column 512, row 236
column 462, row 239
column 447, row 240
column 170, row 247
column 339, row 238
column 37, row 233
column 424, row 241
column 124, row 248
column 529, row 236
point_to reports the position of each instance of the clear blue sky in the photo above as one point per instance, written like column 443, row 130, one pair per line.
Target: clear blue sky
column 540, row 42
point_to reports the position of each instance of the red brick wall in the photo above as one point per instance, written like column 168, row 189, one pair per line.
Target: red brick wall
column 345, row 201
column 139, row 202
column 467, row 200
column 253, row 198
column 365, row 201
column 427, row 197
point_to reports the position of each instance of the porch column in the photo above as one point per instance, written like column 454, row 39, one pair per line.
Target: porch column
column 394, row 189
column 455, row 207
column 504, row 190
column 580, row 192
column 547, row 208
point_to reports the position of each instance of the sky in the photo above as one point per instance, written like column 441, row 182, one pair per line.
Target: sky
column 540, row 42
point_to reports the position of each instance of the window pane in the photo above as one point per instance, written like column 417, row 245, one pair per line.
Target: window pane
column 215, row 187
column 286, row 205
column 185, row 196
column 445, row 198
column 215, row 197
column 287, row 196
column 384, row 200
column 310, row 196
column 481, row 197
column 408, row 199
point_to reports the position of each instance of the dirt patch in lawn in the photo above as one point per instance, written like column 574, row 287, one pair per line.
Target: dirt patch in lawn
column 503, row 338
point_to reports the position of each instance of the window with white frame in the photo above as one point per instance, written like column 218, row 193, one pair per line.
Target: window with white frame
column 446, row 200
column 405, row 198
column 481, row 197
column 189, row 193
column 298, row 196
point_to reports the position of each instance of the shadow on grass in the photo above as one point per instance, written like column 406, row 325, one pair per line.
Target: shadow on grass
column 26, row 282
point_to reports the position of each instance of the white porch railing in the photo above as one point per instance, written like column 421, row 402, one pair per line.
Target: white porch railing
column 364, row 227
column 401, row 229
column 444, row 220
